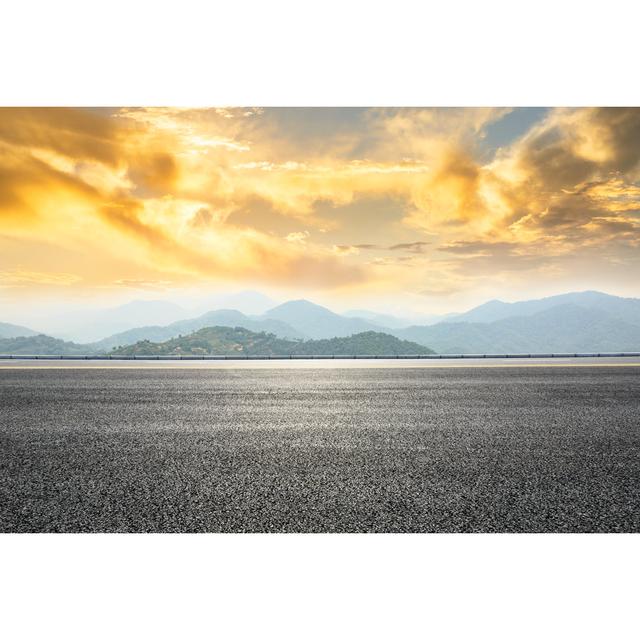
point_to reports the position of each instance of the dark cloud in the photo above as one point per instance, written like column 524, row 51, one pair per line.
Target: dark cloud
column 202, row 218
column 154, row 173
column 77, row 133
column 568, row 213
column 619, row 129
column 617, row 227
column 581, row 146
column 479, row 246
column 412, row 247
column 577, row 183
column 553, row 163
column 123, row 214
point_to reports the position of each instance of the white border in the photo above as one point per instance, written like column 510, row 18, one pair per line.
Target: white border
column 287, row 52
column 306, row 586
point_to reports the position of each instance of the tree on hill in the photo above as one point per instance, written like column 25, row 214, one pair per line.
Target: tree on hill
column 366, row 343
column 240, row 341
column 41, row 345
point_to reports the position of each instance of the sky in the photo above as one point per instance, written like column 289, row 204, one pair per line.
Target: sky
column 398, row 210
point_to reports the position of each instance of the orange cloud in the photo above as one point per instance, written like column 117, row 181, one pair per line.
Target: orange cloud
column 104, row 185
column 148, row 196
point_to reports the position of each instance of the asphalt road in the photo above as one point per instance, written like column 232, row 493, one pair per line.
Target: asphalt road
column 430, row 449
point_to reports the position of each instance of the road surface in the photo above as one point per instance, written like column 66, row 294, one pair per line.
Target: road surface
column 260, row 446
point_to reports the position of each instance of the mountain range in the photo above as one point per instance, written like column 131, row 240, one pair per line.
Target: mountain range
column 222, row 317
column 564, row 328
column 626, row 309
column 580, row 321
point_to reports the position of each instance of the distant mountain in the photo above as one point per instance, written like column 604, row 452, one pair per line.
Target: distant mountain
column 248, row 302
column 8, row 330
column 145, row 310
column 41, row 345
column 379, row 319
column 222, row 317
column 237, row 340
column 318, row 322
column 93, row 325
column 388, row 321
column 626, row 309
column 563, row 328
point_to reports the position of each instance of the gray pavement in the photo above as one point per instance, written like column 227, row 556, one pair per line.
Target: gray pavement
column 440, row 447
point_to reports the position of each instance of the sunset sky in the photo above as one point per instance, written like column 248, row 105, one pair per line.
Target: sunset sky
column 429, row 210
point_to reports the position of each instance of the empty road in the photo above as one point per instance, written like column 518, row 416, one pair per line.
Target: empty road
column 362, row 447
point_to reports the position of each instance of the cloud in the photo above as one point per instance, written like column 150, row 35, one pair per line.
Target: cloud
column 483, row 257
column 153, row 285
column 124, row 185
column 392, row 261
column 480, row 247
column 202, row 218
column 298, row 237
column 411, row 247
column 190, row 195
column 75, row 133
column 575, row 165
column 348, row 249
column 157, row 172
column 23, row 278
column 566, row 162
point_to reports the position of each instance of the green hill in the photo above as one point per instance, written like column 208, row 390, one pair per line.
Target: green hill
column 41, row 345
column 366, row 343
column 240, row 341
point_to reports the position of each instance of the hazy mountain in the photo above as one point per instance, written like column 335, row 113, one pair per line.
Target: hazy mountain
column 563, row 328
column 221, row 317
column 248, row 302
column 236, row 340
column 93, row 325
column 8, row 330
column 144, row 310
column 41, row 345
column 396, row 322
column 379, row 319
column 318, row 322
column 626, row 309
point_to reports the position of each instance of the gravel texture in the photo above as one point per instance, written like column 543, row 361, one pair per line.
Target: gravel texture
column 320, row 450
